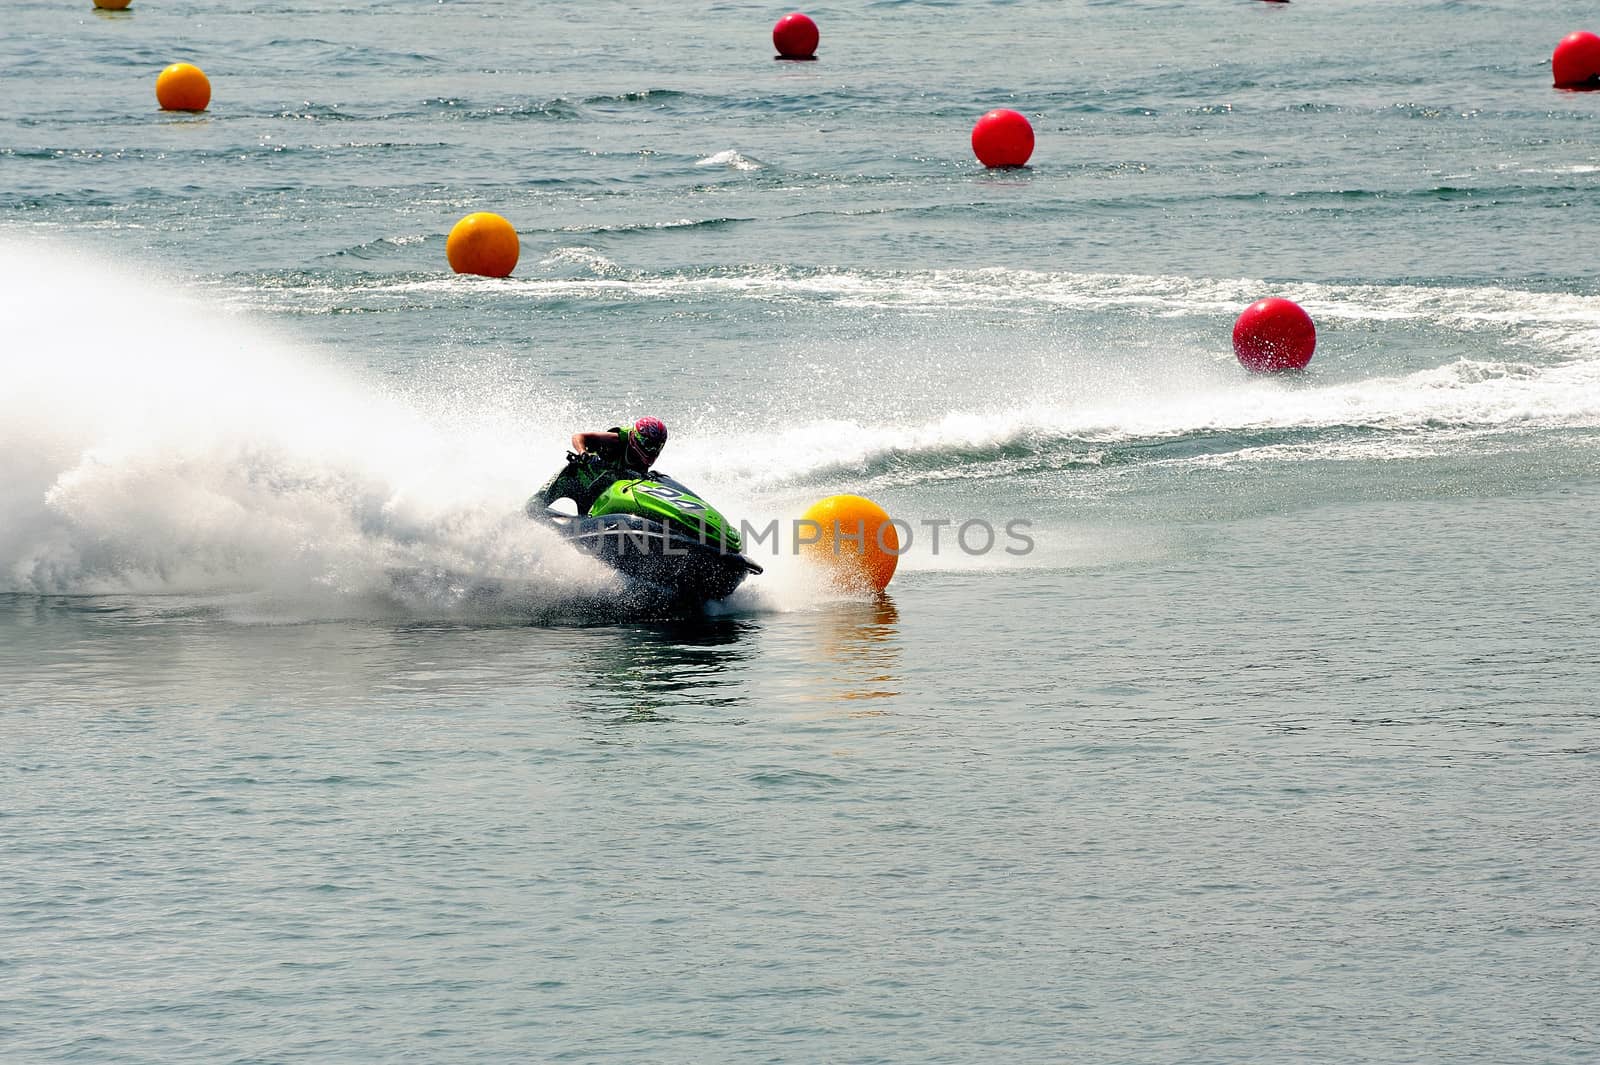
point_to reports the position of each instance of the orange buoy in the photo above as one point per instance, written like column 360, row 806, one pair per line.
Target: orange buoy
column 1002, row 138
column 855, row 540
column 183, row 87
column 795, row 37
column 483, row 244
column 1274, row 334
column 112, row 5
column 1576, row 61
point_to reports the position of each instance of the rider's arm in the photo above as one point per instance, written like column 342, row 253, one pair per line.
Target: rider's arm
column 585, row 443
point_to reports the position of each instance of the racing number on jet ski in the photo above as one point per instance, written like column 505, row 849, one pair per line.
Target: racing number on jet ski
column 676, row 498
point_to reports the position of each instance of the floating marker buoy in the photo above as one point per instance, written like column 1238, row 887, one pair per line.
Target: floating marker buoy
column 1274, row 334
column 112, row 5
column 1576, row 62
column 795, row 37
column 1002, row 138
column 183, row 87
column 483, row 244
column 856, row 541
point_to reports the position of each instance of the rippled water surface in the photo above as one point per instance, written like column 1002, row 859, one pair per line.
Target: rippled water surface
column 1279, row 744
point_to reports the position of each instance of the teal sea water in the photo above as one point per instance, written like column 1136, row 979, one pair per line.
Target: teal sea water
column 1280, row 745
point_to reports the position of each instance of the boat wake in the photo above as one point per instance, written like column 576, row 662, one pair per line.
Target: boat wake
column 163, row 446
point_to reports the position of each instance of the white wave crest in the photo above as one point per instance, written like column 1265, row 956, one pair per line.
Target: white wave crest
column 730, row 159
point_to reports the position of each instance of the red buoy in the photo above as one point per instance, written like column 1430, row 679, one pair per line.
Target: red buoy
column 1274, row 334
column 1002, row 138
column 1576, row 62
column 795, row 37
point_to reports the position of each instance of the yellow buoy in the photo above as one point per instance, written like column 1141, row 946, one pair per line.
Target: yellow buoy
column 484, row 244
column 183, row 87
column 112, row 5
column 854, row 538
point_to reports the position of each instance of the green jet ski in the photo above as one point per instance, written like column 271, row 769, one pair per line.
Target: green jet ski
column 668, row 543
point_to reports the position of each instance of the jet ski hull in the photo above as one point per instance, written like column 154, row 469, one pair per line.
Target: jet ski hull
column 657, row 559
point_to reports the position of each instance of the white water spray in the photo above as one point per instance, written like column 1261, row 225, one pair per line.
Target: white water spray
column 151, row 444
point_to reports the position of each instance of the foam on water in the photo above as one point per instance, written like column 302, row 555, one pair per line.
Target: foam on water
column 1568, row 323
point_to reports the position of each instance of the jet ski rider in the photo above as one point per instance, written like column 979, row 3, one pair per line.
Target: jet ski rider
column 599, row 459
